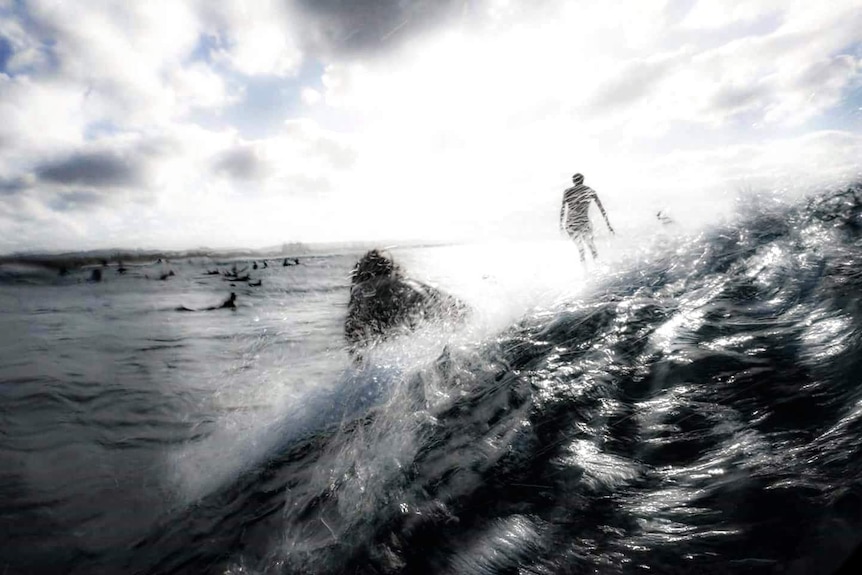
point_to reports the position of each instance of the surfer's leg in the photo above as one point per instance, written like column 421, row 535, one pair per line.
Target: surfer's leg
column 577, row 236
column 588, row 239
column 579, row 242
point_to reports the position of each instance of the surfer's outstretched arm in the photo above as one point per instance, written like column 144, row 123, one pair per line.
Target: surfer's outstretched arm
column 604, row 213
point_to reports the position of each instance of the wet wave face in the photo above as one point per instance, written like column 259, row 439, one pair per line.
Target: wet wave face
column 699, row 413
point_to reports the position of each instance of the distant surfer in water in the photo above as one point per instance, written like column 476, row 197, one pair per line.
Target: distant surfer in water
column 230, row 302
column 575, row 217
column 383, row 301
column 663, row 217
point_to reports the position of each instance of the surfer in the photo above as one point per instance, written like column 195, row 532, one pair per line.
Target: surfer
column 229, row 302
column 383, row 301
column 575, row 217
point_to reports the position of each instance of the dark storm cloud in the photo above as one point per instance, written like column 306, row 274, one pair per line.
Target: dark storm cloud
column 97, row 169
column 364, row 26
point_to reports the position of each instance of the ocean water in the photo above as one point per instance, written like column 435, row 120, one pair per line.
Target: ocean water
column 688, row 406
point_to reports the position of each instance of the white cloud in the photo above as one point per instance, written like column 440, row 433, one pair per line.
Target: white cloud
column 38, row 116
column 263, row 49
column 712, row 14
column 471, row 82
column 119, row 54
column 310, row 96
column 813, row 89
column 256, row 38
column 197, row 86
column 27, row 51
column 128, row 65
column 144, row 186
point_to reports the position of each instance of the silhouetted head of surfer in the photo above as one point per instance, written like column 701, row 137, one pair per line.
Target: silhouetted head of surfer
column 578, row 179
column 374, row 265
column 384, row 301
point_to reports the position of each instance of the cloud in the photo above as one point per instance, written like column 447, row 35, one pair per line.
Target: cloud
column 310, row 96
column 634, row 81
column 20, row 49
column 197, row 86
column 369, row 26
column 302, row 159
column 814, row 88
column 788, row 75
column 803, row 163
column 75, row 200
column 734, row 98
column 252, row 38
column 242, row 163
column 123, row 170
column 96, row 169
column 327, row 147
column 127, row 74
column 330, row 118
column 6, row 52
column 38, row 117
column 11, row 186
column 711, row 14
column 132, row 185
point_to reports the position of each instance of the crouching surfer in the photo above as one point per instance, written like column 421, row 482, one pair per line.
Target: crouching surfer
column 383, row 301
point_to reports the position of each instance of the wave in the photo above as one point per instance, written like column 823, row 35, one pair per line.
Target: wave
column 697, row 412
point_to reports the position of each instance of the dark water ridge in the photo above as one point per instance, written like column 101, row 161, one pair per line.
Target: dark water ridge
column 697, row 413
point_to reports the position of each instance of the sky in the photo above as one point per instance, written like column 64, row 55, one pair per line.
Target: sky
column 174, row 124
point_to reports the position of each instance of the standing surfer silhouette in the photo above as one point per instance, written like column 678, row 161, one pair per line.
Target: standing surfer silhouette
column 575, row 217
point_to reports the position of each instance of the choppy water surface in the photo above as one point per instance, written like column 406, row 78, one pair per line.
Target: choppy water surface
column 693, row 407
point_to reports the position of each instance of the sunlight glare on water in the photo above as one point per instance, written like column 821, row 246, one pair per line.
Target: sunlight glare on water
column 501, row 281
